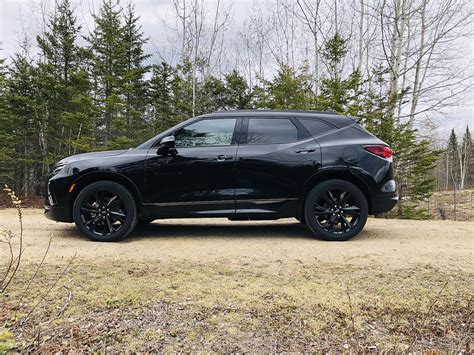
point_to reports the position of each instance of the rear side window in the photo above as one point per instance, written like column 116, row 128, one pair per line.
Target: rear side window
column 314, row 126
column 271, row 131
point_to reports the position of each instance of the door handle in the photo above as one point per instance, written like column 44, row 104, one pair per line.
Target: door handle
column 305, row 150
column 223, row 157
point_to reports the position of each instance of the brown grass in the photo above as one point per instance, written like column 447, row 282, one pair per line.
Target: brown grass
column 217, row 307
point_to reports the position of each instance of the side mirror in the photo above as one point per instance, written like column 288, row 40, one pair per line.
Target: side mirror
column 166, row 146
column 168, row 142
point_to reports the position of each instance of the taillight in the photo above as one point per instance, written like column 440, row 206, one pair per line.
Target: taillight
column 380, row 150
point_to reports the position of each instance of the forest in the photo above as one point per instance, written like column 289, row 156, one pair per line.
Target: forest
column 396, row 64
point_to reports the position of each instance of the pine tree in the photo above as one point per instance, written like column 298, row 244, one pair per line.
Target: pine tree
column 286, row 91
column 236, row 93
column 467, row 158
column 414, row 160
column 7, row 132
column 108, row 60
column 134, row 86
column 336, row 93
column 211, row 93
column 19, row 127
column 183, row 90
column 453, row 161
column 63, row 85
column 162, row 88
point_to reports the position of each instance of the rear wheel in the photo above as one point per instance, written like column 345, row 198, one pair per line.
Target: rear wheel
column 105, row 211
column 336, row 210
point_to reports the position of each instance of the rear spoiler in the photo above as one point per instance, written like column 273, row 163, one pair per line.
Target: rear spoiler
column 356, row 119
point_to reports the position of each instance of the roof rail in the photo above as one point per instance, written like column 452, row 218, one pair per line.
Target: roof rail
column 270, row 110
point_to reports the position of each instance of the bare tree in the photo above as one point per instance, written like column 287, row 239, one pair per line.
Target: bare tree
column 201, row 40
column 310, row 15
column 421, row 43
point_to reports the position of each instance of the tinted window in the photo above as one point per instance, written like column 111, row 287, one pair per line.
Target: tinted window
column 271, row 131
column 314, row 126
column 206, row 133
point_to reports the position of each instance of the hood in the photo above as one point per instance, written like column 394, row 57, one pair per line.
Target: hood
column 91, row 155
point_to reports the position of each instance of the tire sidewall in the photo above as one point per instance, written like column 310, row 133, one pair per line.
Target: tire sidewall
column 311, row 200
column 129, row 203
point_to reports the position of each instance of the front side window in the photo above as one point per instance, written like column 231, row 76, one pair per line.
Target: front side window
column 212, row 132
column 271, row 131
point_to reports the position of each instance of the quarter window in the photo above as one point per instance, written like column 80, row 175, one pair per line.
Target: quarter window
column 271, row 131
column 315, row 126
column 215, row 132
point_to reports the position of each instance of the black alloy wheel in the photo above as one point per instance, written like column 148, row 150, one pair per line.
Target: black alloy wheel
column 336, row 210
column 105, row 211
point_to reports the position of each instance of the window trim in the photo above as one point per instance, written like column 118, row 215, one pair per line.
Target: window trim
column 302, row 133
column 237, row 127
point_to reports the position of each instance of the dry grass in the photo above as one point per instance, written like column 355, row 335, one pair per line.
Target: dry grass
column 217, row 307
column 456, row 205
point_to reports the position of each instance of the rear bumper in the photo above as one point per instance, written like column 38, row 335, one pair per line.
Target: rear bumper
column 384, row 202
column 57, row 213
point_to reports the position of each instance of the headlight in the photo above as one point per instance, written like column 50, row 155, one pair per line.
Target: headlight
column 63, row 169
column 50, row 196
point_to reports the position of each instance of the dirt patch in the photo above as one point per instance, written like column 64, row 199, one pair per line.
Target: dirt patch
column 216, row 285
column 384, row 243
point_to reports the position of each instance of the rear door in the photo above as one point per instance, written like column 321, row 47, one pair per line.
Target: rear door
column 275, row 157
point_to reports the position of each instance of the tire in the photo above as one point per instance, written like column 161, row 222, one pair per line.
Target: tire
column 105, row 211
column 336, row 210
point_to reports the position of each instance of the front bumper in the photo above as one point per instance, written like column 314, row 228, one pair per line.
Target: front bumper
column 57, row 204
column 382, row 203
column 57, row 213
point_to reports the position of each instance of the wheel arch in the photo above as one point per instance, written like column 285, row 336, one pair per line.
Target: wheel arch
column 339, row 174
column 87, row 179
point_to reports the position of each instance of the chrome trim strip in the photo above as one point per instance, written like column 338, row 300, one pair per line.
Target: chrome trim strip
column 221, row 202
column 165, row 204
column 266, row 201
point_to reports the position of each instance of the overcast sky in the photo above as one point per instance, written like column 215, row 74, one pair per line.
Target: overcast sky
column 24, row 16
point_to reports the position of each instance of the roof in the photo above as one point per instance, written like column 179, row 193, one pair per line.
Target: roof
column 328, row 117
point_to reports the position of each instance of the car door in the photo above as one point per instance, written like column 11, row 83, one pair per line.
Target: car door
column 198, row 175
column 275, row 158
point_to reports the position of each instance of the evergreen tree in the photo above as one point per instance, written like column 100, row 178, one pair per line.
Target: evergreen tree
column 414, row 159
column 468, row 158
column 108, row 60
column 63, row 85
column 236, row 93
column 134, row 86
column 19, row 128
column 162, row 96
column 183, row 91
column 453, row 160
column 338, row 94
column 286, row 91
column 7, row 132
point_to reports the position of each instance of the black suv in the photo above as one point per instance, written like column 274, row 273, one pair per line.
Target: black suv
column 322, row 168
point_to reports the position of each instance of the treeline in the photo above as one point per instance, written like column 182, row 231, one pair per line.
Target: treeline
column 455, row 170
column 104, row 94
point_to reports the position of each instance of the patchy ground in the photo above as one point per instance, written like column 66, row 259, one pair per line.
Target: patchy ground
column 216, row 285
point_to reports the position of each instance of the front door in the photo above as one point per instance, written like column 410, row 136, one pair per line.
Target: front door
column 198, row 176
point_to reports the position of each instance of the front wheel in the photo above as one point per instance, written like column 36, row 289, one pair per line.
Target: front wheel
column 336, row 210
column 105, row 211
